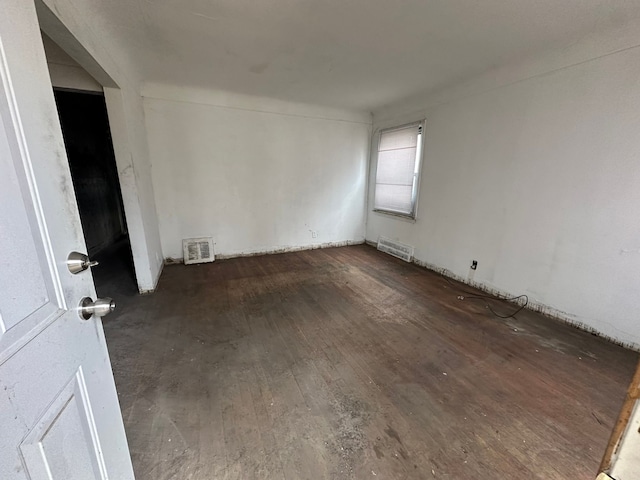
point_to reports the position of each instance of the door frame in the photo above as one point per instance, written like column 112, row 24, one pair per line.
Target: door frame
column 112, row 164
column 115, row 102
column 624, row 439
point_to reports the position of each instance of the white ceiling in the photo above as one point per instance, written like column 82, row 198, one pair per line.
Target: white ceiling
column 357, row 54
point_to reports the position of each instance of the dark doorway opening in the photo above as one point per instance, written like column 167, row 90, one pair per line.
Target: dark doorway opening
column 87, row 137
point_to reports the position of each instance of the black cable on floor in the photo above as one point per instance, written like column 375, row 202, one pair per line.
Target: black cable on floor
column 478, row 296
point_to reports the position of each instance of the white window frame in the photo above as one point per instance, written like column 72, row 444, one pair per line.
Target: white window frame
column 416, row 172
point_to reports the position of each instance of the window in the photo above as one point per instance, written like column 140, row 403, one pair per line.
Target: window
column 399, row 153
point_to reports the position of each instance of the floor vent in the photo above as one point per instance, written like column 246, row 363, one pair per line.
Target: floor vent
column 400, row 250
column 198, row 250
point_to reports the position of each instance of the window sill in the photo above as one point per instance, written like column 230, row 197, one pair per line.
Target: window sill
column 399, row 216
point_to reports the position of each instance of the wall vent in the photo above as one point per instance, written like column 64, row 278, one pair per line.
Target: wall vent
column 198, row 250
column 400, row 250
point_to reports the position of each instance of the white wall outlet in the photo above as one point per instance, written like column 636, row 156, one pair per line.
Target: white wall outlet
column 314, row 234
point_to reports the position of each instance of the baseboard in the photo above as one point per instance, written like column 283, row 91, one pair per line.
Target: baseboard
column 533, row 305
column 274, row 251
column 155, row 282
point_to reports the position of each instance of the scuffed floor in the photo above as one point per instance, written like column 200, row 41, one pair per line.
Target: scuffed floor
column 347, row 363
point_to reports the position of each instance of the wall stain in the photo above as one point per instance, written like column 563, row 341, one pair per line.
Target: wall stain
column 259, row 68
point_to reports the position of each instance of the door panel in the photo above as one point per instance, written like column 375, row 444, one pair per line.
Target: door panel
column 28, row 293
column 66, row 425
column 26, row 297
column 59, row 412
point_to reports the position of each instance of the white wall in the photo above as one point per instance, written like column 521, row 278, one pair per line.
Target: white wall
column 539, row 180
column 126, row 117
column 92, row 44
column 257, row 175
column 65, row 72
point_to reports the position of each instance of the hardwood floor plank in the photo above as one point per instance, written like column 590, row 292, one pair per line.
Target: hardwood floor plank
column 348, row 363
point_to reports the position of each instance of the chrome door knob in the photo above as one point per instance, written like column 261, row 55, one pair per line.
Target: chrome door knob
column 78, row 262
column 99, row 308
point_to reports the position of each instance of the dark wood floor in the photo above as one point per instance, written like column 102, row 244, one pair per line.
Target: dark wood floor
column 347, row 363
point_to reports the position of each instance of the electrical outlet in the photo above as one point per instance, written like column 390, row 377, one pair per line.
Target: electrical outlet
column 314, row 234
column 474, row 264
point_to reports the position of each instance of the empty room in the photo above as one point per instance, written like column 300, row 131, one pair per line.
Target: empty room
column 297, row 239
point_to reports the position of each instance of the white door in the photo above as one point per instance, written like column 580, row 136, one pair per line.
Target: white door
column 59, row 412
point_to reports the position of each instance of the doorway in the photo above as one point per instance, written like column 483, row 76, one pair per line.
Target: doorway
column 87, row 138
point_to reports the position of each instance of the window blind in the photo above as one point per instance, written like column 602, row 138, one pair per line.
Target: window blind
column 397, row 172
